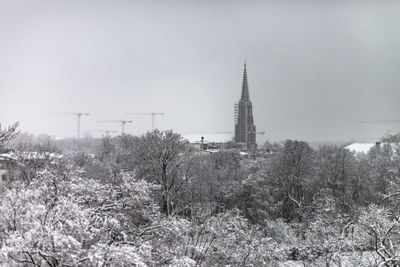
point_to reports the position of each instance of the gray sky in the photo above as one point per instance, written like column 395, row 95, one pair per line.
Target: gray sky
column 314, row 67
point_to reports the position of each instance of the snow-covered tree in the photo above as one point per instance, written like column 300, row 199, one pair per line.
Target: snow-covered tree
column 160, row 158
column 7, row 134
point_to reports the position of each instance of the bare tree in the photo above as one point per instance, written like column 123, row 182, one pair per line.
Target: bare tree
column 32, row 158
column 7, row 134
column 161, row 157
column 293, row 170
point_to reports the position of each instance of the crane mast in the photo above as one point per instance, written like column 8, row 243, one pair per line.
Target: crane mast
column 152, row 114
column 78, row 117
column 123, row 122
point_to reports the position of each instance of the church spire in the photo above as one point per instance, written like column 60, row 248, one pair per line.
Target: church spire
column 245, row 86
column 245, row 130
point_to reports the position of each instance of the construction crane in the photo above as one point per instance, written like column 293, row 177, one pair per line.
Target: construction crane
column 153, row 114
column 123, row 122
column 78, row 116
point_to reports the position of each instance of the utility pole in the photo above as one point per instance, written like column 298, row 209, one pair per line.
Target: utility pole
column 123, row 122
column 153, row 114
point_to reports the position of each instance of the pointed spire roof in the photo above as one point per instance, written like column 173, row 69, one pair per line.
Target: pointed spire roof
column 245, row 86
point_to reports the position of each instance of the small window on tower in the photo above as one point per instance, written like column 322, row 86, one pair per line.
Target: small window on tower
column 3, row 177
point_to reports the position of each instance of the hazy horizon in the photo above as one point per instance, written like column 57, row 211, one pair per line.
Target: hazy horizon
column 314, row 67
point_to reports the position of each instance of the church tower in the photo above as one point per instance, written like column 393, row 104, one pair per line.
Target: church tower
column 245, row 130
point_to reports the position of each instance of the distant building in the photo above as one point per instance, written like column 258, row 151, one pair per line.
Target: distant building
column 11, row 161
column 245, row 130
column 7, row 169
column 365, row 148
column 209, row 142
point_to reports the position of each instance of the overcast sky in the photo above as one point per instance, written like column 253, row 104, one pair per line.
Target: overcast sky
column 314, row 67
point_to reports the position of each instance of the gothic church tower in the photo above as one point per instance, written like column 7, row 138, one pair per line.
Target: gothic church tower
column 245, row 130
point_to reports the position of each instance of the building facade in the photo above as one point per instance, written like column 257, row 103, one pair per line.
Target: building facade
column 245, row 130
column 7, row 170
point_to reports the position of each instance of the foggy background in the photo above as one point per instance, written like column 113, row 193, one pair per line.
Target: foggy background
column 314, row 67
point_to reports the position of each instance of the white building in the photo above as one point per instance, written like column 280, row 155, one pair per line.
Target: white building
column 363, row 148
